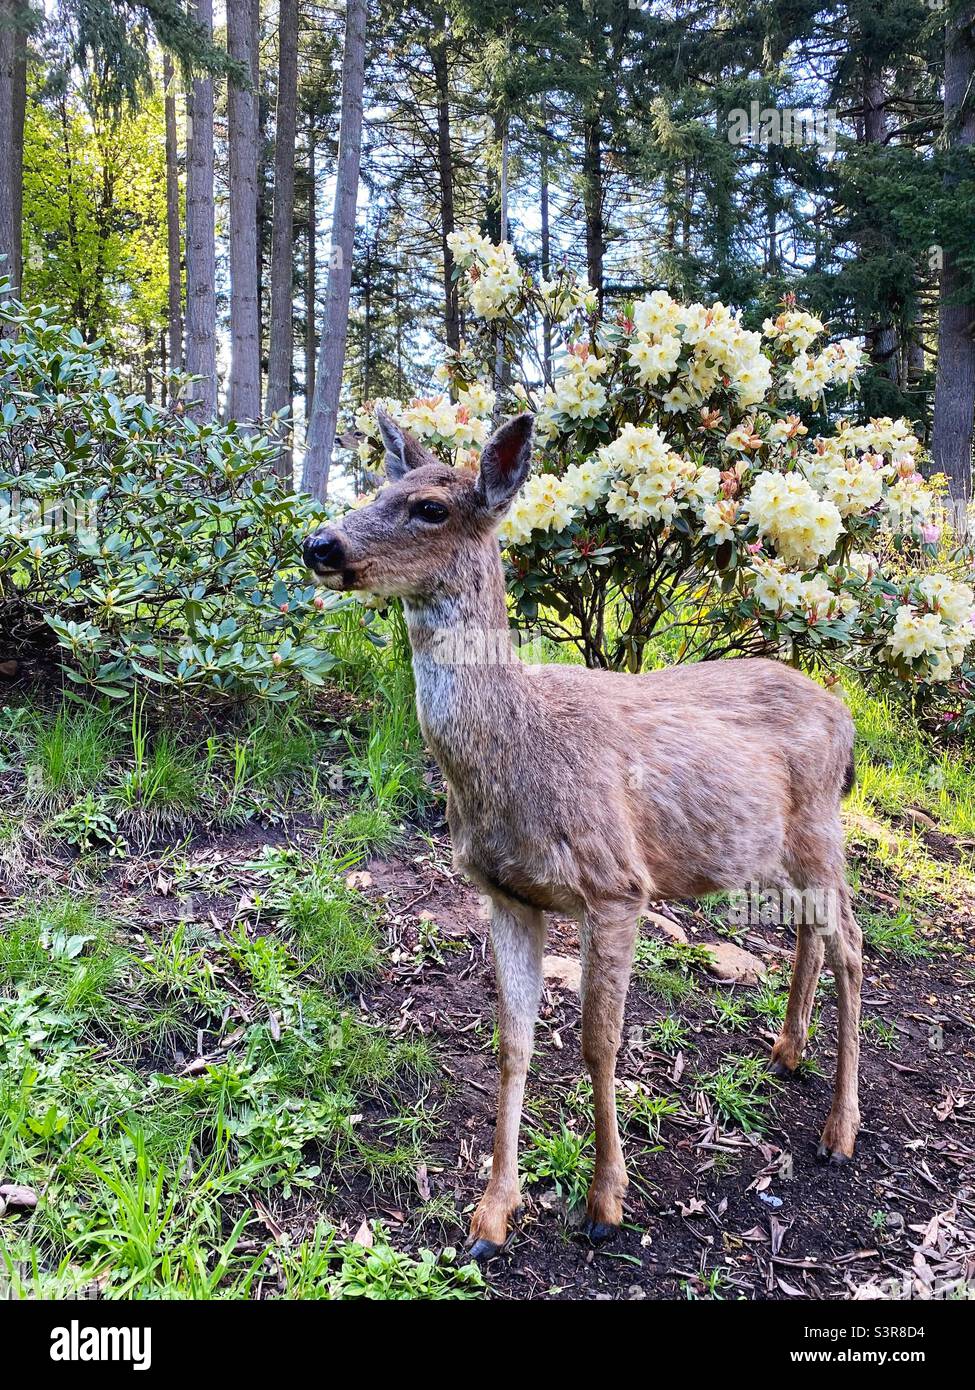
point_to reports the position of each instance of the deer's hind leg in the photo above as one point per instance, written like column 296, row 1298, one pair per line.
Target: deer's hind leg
column 816, row 864
column 608, row 939
column 518, row 939
column 807, row 967
column 844, row 951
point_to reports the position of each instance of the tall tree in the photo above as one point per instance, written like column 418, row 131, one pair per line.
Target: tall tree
column 173, row 229
column 311, row 264
column 328, row 385
column 282, row 235
column 201, row 270
column 244, row 387
column 954, row 401
column 15, row 20
column 445, row 170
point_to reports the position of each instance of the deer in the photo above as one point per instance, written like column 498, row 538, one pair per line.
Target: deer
column 592, row 793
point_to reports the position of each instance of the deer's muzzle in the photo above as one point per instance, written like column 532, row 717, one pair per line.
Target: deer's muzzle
column 323, row 551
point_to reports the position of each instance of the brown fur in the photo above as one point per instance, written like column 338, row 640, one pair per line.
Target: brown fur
column 593, row 793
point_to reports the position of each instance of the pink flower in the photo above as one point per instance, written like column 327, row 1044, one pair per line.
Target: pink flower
column 755, row 547
column 930, row 533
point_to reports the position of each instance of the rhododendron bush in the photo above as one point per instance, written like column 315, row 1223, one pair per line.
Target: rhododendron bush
column 679, row 486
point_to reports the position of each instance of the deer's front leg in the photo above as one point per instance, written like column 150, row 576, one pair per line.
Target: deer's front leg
column 608, row 943
column 518, row 938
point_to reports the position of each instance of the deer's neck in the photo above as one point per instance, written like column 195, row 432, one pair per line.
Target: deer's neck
column 470, row 685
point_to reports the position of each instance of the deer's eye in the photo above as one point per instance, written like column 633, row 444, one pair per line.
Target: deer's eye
column 428, row 510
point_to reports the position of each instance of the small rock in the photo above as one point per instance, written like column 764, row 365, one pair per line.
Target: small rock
column 565, row 971
column 14, row 1194
column 358, row 879
column 729, row 962
column 670, row 928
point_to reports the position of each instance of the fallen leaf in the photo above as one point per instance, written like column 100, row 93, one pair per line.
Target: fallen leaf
column 695, row 1207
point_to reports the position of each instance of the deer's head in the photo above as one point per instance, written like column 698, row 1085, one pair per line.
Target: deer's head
column 414, row 539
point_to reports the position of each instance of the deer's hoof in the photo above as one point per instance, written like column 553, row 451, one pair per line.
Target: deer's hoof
column 834, row 1157
column 483, row 1250
column 786, row 1056
column 598, row 1231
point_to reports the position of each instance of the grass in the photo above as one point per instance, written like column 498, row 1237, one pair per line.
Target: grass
column 71, row 753
column 895, row 935
column 161, row 1079
column 334, row 929
column 898, row 765
column 665, row 968
column 562, row 1159
column 61, row 948
column 739, row 1091
column 646, row 1113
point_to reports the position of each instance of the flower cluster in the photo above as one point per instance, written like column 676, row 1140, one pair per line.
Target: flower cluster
column 786, row 593
column 934, row 630
column 692, row 348
column 565, row 294
column 458, row 427
column 787, row 510
column 493, row 274
column 578, row 393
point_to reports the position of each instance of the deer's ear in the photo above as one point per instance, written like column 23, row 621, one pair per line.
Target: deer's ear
column 505, row 461
column 403, row 451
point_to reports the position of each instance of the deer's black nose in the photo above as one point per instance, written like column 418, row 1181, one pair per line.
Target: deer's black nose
column 323, row 550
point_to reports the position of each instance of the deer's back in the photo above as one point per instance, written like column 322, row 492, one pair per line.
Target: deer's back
column 672, row 783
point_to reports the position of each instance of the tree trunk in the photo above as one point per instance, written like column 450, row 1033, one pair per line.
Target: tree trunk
column 328, row 387
column 15, row 19
column 954, row 399
column 17, row 154
column 311, row 271
column 282, row 231
column 201, row 301
column 244, row 389
column 500, row 367
column 881, row 334
column 546, row 248
column 445, row 166
column 173, row 247
column 492, row 200
column 593, row 203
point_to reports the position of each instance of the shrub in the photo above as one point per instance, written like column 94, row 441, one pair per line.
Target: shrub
column 148, row 547
column 689, row 484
